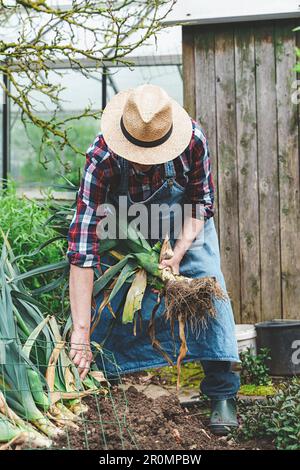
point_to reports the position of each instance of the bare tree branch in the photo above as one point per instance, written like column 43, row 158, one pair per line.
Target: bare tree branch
column 35, row 35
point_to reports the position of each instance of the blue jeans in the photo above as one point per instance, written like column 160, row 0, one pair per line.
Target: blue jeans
column 220, row 382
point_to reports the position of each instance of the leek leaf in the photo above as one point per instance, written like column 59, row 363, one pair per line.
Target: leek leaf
column 109, row 274
column 42, row 270
column 135, row 296
column 126, row 272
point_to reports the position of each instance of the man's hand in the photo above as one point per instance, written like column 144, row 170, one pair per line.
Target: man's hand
column 172, row 263
column 191, row 229
column 81, row 353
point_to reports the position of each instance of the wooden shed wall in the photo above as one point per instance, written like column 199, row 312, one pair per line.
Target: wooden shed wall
column 238, row 83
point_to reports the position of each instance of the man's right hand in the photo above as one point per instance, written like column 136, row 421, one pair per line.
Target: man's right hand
column 80, row 352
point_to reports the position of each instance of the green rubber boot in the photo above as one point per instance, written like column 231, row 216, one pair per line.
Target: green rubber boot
column 223, row 416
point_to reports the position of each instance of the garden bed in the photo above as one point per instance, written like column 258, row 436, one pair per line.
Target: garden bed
column 145, row 423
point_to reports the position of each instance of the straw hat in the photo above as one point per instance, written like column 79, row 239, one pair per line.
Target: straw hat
column 144, row 125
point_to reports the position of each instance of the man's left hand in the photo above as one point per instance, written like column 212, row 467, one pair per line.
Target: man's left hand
column 172, row 263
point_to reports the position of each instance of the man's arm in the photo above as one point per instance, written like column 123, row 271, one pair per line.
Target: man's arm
column 81, row 289
column 83, row 247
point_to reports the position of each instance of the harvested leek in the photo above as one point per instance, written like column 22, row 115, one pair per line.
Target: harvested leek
column 35, row 390
column 186, row 300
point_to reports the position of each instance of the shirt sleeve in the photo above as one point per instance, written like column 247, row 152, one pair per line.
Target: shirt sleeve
column 200, row 188
column 83, row 242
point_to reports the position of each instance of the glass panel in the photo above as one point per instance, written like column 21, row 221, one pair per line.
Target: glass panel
column 166, row 76
column 79, row 91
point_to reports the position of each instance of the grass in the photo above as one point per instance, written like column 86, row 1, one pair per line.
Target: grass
column 190, row 377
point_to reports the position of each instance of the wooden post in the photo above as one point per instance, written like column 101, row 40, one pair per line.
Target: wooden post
column 188, row 61
column 227, row 165
column 247, row 175
column 268, row 172
column 206, row 112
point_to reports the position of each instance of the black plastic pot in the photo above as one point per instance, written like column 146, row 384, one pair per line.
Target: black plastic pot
column 282, row 338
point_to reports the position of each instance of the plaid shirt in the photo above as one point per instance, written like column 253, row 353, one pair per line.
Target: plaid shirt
column 102, row 172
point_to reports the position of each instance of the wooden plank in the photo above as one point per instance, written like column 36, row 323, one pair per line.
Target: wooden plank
column 247, row 175
column 268, row 173
column 288, row 151
column 206, row 97
column 188, row 61
column 227, row 159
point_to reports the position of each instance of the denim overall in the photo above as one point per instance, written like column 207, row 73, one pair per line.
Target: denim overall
column 214, row 345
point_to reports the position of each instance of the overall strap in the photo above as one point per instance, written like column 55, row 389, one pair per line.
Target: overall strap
column 170, row 172
column 123, row 189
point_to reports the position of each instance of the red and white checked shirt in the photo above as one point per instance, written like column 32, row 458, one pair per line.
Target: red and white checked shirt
column 102, row 173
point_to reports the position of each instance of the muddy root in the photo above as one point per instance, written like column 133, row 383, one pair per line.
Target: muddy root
column 192, row 299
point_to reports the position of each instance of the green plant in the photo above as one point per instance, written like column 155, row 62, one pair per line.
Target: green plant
column 39, row 384
column 23, row 221
column 277, row 418
column 254, row 369
column 257, row 390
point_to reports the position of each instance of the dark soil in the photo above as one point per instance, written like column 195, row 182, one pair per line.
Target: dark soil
column 138, row 422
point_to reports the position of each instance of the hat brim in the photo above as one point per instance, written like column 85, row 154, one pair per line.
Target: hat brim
column 117, row 142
